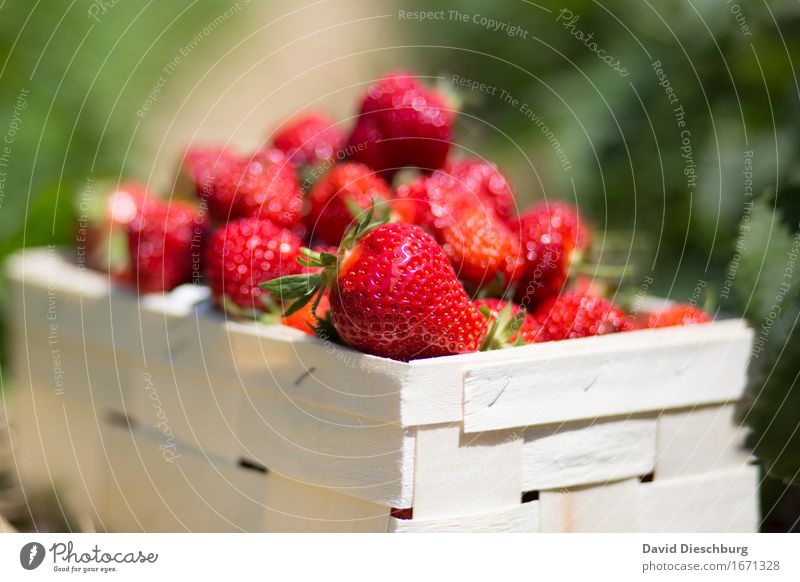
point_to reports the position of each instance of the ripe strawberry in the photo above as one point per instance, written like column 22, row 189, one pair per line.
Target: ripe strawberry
column 487, row 185
column 245, row 252
column 522, row 332
column 573, row 315
column 549, row 234
column 337, row 194
column 199, row 168
column 680, row 314
column 545, row 272
column 402, row 123
column 591, row 285
column 481, row 247
column 555, row 221
column 412, row 204
column 165, row 242
column 483, row 179
column 309, row 139
column 108, row 215
column 393, row 294
column 262, row 186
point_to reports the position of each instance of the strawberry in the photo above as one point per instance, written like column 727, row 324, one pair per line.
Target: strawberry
column 481, row 247
column 165, row 242
column 483, row 179
column 411, row 203
column 550, row 234
column 402, row 123
column 107, row 218
column 525, row 331
column 679, row 314
column 591, row 285
column 245, row 252
column 487, row 185
column 573, row 315
column 200, row 167
column 262, row 186
column 555, row 221
column 309, row 139
column 337, row 194
column 392, row 292
column 545, row 272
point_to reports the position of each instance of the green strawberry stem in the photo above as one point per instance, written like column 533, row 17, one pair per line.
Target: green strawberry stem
column 234, row 310
column 604, row 271
column 301, row 289
column 609, row 269
column 709, row 300
column 502, row 328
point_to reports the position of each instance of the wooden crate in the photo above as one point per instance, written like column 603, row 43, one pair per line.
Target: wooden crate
column 156, row 413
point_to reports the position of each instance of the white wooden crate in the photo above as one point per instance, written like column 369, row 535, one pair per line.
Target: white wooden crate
column 278, row 431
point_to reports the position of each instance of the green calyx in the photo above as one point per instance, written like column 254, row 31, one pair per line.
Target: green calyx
column 502, row 328
column 364, row 222
column 296, row 291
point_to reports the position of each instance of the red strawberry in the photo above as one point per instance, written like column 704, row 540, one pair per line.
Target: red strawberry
column 526, row 332
column 680, row 314
column 393, row 294
column 412, row 204
column 165, row 243
column 402, row 123
column 573, row 315
column 592, row 286
column 487, row 185
column 549, row 234
column 345, row 187
column 484, row 180
column 309, row 139
column 200, row 167
column 263, row 186
column 245, row 252
column 108, row 215
column 555, row 221
column 480, row 246
column 545, row 272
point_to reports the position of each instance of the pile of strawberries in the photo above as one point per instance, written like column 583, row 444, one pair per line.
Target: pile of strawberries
column 382, row 239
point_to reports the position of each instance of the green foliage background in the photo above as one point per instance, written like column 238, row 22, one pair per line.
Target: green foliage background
column 81, row 75
column 740, row 93
column 84, row 78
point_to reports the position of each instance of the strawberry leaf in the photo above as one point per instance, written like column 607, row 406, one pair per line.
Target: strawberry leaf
column 326, row 331
column 300, row 302
column 363, row 226
column 761, row 259
column 353, row 207
column 328, row 259
column 292, row 286
column 307, row 263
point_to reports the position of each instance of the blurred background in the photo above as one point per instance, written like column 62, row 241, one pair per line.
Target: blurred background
column 674, row 125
